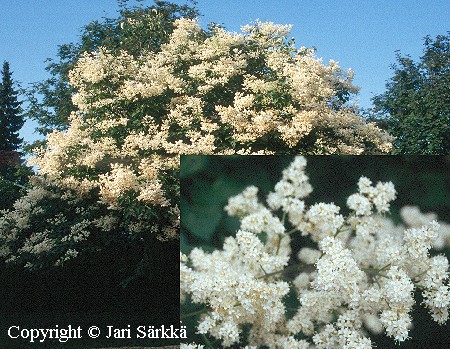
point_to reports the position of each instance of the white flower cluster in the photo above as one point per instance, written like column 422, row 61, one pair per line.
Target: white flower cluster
column 232, row 283
column 360, row 279
column 369, row 196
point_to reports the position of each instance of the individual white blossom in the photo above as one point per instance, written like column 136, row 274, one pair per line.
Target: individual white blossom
column 360, row 204
column 309, row 255
column 191, row 346
column 244, row 203
column 379, row 196
column 396, row 324
column 373, row 323
column 321, row 220
column 414, row 218
column 419, row 240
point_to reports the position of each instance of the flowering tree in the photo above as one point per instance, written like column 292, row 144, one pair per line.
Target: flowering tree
column 210, row 92
column 358, row 274
column 137, row 28
column 221, row 92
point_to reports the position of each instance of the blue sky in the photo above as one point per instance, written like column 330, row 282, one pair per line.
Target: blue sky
column 362, row 35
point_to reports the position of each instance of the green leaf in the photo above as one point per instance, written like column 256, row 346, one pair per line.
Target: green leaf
column 190, row 165
column 201, row 220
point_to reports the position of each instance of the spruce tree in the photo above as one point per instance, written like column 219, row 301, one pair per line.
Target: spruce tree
column 13, row 173
column 11, row 118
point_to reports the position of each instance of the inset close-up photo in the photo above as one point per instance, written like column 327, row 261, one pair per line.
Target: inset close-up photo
column 315, row 252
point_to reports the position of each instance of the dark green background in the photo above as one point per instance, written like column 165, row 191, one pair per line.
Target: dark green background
column 208, row 181
column 88, row 292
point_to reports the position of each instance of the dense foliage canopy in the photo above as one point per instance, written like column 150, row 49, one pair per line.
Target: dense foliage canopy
column 416, row 105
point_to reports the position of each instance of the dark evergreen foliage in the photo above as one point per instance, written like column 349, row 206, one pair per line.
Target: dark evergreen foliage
column 416, row 105
column 11, row 118
column 13, row 173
